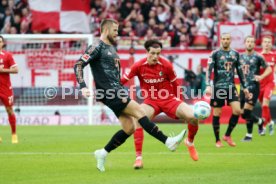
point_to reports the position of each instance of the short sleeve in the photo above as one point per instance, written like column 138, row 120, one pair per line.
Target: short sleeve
column 91, row 54
column 11, row 61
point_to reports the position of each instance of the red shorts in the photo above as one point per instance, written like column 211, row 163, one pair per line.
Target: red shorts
column 266, row 91
column 168, row 106
column 7, row 99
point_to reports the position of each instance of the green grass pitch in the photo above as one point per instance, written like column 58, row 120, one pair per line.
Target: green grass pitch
column 62, row 155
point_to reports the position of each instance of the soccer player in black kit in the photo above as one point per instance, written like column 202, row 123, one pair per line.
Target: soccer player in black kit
column 224, row 61
column 105, row 66
column 251, row 63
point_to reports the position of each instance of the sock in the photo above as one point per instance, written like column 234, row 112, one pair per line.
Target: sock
column 250, row 116
column 12, row 120
column 266, row 115
column 138, row 141
column 216, row 127
column 152, row 129
column 117, row 139
column 192, row 130
column 232, row 123
column 249, row 127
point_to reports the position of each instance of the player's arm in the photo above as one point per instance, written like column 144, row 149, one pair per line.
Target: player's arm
column 133, row 72
column 11, row 70
column 210, row 67
column 177, row 90
column 267, row 71
column 240, row 72
column 89, row 55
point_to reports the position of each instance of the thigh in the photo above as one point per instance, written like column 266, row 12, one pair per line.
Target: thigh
column 217, row 100
column 185, row 111
column 134, row 109
column 268, row 91
column 235, row 105
column 149, row 110
column 154, row 105
column 232, row 96
column 7, row 100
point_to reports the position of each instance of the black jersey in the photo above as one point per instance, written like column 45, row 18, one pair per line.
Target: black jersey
column 224, row 64
column 105, row 65
column 251, row 64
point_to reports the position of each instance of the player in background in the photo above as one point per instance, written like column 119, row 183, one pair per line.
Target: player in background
column 251, row 63
column 267, row 85
column 7, row 67
column 156, row 75
column 224, row 61
column 105, row 66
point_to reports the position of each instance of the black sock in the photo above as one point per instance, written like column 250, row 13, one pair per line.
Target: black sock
column 118, row 138
column 232, row 123
column 254, row 118
column 249, row 126
column 216, row 127
column 249, row 116
column 152, row 129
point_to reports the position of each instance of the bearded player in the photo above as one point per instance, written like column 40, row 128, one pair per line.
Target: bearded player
column 251, row 63
column 159, row 81
column 267, row 85
column 7, row 67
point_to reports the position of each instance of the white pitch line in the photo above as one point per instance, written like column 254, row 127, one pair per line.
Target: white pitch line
column 131, row 153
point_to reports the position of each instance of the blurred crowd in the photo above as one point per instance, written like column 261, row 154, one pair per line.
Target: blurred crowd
column 181, row 21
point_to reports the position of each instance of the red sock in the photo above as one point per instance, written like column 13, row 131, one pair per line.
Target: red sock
column 192, row 130
column 12, row 121
column 266, row 115
column 138, row 141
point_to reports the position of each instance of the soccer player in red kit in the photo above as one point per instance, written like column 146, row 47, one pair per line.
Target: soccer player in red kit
column 7, row 67
column 267, row 85
column 159, row 83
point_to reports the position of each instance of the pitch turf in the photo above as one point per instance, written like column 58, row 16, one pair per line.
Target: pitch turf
column 62, row 155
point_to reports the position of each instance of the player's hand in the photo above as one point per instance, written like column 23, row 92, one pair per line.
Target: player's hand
column 208, row 91
column 85, row 92
column 246, row 92
column 258, row 78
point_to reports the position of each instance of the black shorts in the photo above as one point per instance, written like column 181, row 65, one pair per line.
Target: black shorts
column 220, row 95
column 117, row 103
column 254, row 90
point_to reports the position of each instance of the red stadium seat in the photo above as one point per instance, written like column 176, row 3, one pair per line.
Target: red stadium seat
column 200, row 40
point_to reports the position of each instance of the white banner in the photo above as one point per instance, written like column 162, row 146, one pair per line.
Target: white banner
column 42, row 73
column 238, row 33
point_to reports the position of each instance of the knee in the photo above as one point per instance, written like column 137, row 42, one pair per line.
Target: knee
column 237, row 112
column 9, row 111
column 129, row 129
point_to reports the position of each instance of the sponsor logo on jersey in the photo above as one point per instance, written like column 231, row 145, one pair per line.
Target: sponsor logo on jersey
column 153, row 81
column 85, row 57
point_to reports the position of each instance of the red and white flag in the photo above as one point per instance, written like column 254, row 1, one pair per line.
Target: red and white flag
column 61, row 15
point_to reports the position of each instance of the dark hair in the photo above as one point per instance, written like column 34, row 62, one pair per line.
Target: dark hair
column 152, row 43
column 249, row 36
column 238, row 1
column 2, row 38
column 106, row 23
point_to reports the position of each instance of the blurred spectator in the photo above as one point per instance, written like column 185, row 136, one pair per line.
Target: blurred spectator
column 236, row 11
column 204, row 24
column 140, row 27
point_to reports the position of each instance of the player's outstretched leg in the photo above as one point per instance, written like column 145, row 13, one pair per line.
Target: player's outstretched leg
column 135, row 110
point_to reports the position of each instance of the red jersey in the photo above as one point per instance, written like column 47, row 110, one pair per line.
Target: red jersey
column 159, row 78
column 270, row 59
column 7, row 61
